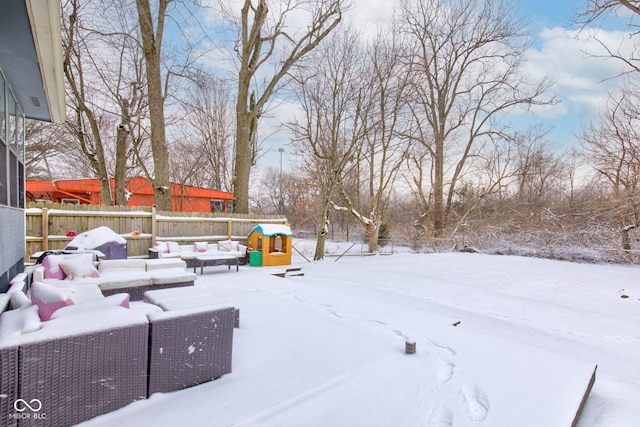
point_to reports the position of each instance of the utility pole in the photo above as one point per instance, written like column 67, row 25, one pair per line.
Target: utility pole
column 281, row 196
column 281, row 150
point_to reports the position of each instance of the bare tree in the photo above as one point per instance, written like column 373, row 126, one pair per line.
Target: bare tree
column 187, row 164
column 41, row 145
column 152, row 31
column 493, row 171
column 331, row 94
column 209, row 125
column 383, row 147
column 265, row 40
column 465, row 65
column 598, row 10
column 539, row 169
column 274, row 187
column 613, row 150
column 75, row 43
column 289, row 194
column 105, row 76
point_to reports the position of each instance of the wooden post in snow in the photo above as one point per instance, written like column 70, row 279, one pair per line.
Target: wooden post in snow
column 45, row 229
column 154, row 226
column 410, row 346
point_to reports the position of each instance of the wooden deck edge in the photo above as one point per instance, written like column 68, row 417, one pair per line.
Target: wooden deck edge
column 585, row 397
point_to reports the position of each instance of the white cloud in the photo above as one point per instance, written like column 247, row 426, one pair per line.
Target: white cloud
column 368, row 15
column 583, row 71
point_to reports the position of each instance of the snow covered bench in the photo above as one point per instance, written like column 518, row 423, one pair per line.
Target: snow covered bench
column 72, row 362
column 189, row 252
column 77, row 274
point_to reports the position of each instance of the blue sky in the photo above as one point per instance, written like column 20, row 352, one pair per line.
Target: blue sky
column 558, row 51
column 549, row 13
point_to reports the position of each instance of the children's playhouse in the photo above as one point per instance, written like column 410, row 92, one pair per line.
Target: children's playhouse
column 270, row 245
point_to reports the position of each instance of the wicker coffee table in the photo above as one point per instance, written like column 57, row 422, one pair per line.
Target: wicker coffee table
column 203, row 261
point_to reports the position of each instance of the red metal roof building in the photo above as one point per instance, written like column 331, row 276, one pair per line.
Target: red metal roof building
column 184, row 198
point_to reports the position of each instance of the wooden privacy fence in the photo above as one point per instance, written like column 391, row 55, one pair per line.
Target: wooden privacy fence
column 47, row 225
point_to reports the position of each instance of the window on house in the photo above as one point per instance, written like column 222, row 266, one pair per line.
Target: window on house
column 217, row 205
column 20, row 185
column 13, row 180
column 20, row 135
column 12, row 135
column 3, row 125
column 4, row 175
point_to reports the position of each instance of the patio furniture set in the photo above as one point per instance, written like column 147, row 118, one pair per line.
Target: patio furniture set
column 109, row 333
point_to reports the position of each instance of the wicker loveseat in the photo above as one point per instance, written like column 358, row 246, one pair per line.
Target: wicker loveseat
column 94, row 357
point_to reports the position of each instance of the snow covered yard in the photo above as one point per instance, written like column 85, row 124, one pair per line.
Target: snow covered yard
column 501, row 341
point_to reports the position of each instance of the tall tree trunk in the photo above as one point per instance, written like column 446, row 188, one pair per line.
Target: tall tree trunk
column 243, row 155
column 373, row 231
column 95, row 153
column 151, row 46
column 246, row 110
column 438, row 188
column 120, row 176
column 322, row 237
column 324, row 225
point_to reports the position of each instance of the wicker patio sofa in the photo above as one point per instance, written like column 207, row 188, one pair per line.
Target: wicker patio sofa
column 94, row 357
column 132, row 276
column 189, row 252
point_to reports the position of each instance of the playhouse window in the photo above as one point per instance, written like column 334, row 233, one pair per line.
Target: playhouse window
column 276, row 244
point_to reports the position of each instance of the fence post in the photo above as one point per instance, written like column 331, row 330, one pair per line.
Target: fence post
column 229, row 228
column 154, row 227
column 45, row 229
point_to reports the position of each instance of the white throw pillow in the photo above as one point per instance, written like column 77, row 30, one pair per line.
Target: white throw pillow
column 162, row 247
column 201, row 246
column 48, row 299
column 53, row 270
column 174, row 248
column 78, row 267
